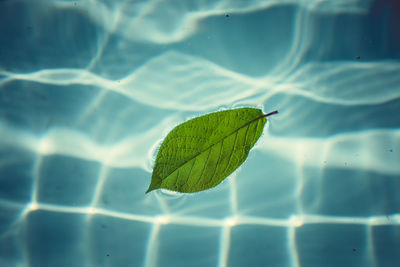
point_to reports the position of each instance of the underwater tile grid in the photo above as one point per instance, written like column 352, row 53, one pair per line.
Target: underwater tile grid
column 90, row 88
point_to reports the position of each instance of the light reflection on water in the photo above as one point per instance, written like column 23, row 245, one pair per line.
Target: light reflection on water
column 89, row 89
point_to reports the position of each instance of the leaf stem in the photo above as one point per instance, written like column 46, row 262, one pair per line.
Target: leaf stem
column 269, row 114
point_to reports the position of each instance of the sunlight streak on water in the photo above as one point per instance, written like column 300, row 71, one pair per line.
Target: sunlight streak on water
column 97, row 85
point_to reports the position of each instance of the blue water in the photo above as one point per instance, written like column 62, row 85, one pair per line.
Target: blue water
column 89, row 89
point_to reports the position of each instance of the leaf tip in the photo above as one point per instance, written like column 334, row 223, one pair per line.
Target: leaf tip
column 153, row 186
column 150, row 189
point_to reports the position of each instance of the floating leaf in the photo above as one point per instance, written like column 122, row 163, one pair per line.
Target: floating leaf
column 200, row 153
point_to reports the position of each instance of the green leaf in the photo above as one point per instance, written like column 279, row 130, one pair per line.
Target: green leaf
column 200, row 153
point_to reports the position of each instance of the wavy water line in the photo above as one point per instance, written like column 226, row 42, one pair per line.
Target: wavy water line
column 152, row 246
column 337, row 150
column 147, row 84
column 371, row 246
column 193, row 83
column 73, row 143
column 129, row 20
column 294, row 255
column 136, row 23
column 224, row 246
column 291, row 223
column 294, row 221
column 328, row 151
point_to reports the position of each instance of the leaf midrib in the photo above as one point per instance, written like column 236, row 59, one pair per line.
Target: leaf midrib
column 209, row 147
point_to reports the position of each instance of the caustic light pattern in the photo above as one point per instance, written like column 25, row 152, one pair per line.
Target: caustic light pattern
column 89, row 90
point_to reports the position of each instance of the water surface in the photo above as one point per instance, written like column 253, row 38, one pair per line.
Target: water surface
column 89, row 89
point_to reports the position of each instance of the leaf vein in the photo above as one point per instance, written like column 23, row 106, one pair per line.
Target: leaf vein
column 230, row 155
column 216, row 166
column 205, row 165
column 209, row 147
column 190, row 172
